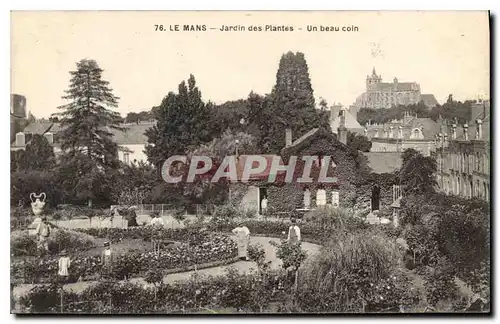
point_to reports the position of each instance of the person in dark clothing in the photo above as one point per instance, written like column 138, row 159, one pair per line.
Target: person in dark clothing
column 132, row 217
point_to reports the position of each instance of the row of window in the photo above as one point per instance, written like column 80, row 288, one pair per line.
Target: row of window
column 466, row 163
column 466, row 188
column 321, row 198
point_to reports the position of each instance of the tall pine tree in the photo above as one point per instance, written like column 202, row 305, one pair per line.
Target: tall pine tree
column 87, row 118
column 90, row 154
column 182, row 122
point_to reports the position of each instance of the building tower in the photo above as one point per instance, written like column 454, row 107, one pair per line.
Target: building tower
column 372, row 80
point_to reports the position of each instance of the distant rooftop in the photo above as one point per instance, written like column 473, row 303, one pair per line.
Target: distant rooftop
column 384, row 162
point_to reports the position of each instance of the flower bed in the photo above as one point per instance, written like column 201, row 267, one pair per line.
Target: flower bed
column 147, row 233
column 231, row 290
column 24, row 244
column 199, row 249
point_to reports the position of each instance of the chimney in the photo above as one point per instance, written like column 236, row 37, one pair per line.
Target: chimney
column 454, row 131
column 20, row 139
column 479, row 131
column 288, row 137
column 50, row 137
column 466, row 132
column 342, row 130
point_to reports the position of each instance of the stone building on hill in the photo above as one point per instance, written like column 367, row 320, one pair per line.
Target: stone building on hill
column 380, row 94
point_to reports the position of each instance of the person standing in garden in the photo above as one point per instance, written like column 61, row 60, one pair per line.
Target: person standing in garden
column 107, row 259
column 43, row 234
column 64, row 264
column 243, row 239
column 132, row 217
column 157, row 220
column 294, row 232
column 263, row 206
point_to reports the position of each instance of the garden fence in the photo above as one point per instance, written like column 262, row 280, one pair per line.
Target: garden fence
column 170, row 209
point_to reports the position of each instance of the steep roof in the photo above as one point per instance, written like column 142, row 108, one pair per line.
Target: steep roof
column 350, row 123
column 304, row 137
column 38, row 127
column 400, row 86
column 431, row 128
column 429, row 100
column 134, row 134
column 384, row 162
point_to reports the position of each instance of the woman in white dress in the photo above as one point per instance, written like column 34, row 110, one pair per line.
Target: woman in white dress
column 243, row 239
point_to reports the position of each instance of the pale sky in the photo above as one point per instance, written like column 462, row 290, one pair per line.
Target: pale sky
column 445, row 52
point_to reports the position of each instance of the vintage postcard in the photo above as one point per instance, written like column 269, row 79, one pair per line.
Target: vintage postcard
column 250, row 162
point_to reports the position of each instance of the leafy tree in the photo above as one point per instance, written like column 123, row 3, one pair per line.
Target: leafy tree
column 38, row 155
column 323, row 104
column 133, row 117
column 358, row 142
column 203, row 190
column 231, row 115
column 293, row 100
column 457, row 111
column 24, row 183
column 136, row 181
column 86, row 118
column 383, row 115
column 182, row 122
column 417, row 172
column 82, row 180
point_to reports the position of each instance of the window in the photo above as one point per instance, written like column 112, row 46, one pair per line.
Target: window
column 320, row 197
column 416, row 133
column 307, row 199
column 126, row 158
column 335, row 198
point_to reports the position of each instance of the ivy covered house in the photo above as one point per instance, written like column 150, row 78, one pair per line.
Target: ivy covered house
column 355, row 185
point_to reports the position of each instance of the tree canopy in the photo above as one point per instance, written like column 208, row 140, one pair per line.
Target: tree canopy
column 88, row 116
column 417, row 172
column 182, row 123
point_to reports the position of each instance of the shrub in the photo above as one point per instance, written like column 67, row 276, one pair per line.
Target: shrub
column 423, row 244
column 329, row 218
column 21, row 243
column 24, row 244
column 440, row 285
column 291, row 254
column 257, row 253
column 464, row 237
column 340, row 278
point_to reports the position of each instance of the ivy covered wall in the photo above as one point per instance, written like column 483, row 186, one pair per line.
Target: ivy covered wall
column 354, row 178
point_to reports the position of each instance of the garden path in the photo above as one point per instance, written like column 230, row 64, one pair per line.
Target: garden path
column 242, row 267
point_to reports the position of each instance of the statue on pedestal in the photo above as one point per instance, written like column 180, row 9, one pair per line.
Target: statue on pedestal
column 37, row 205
